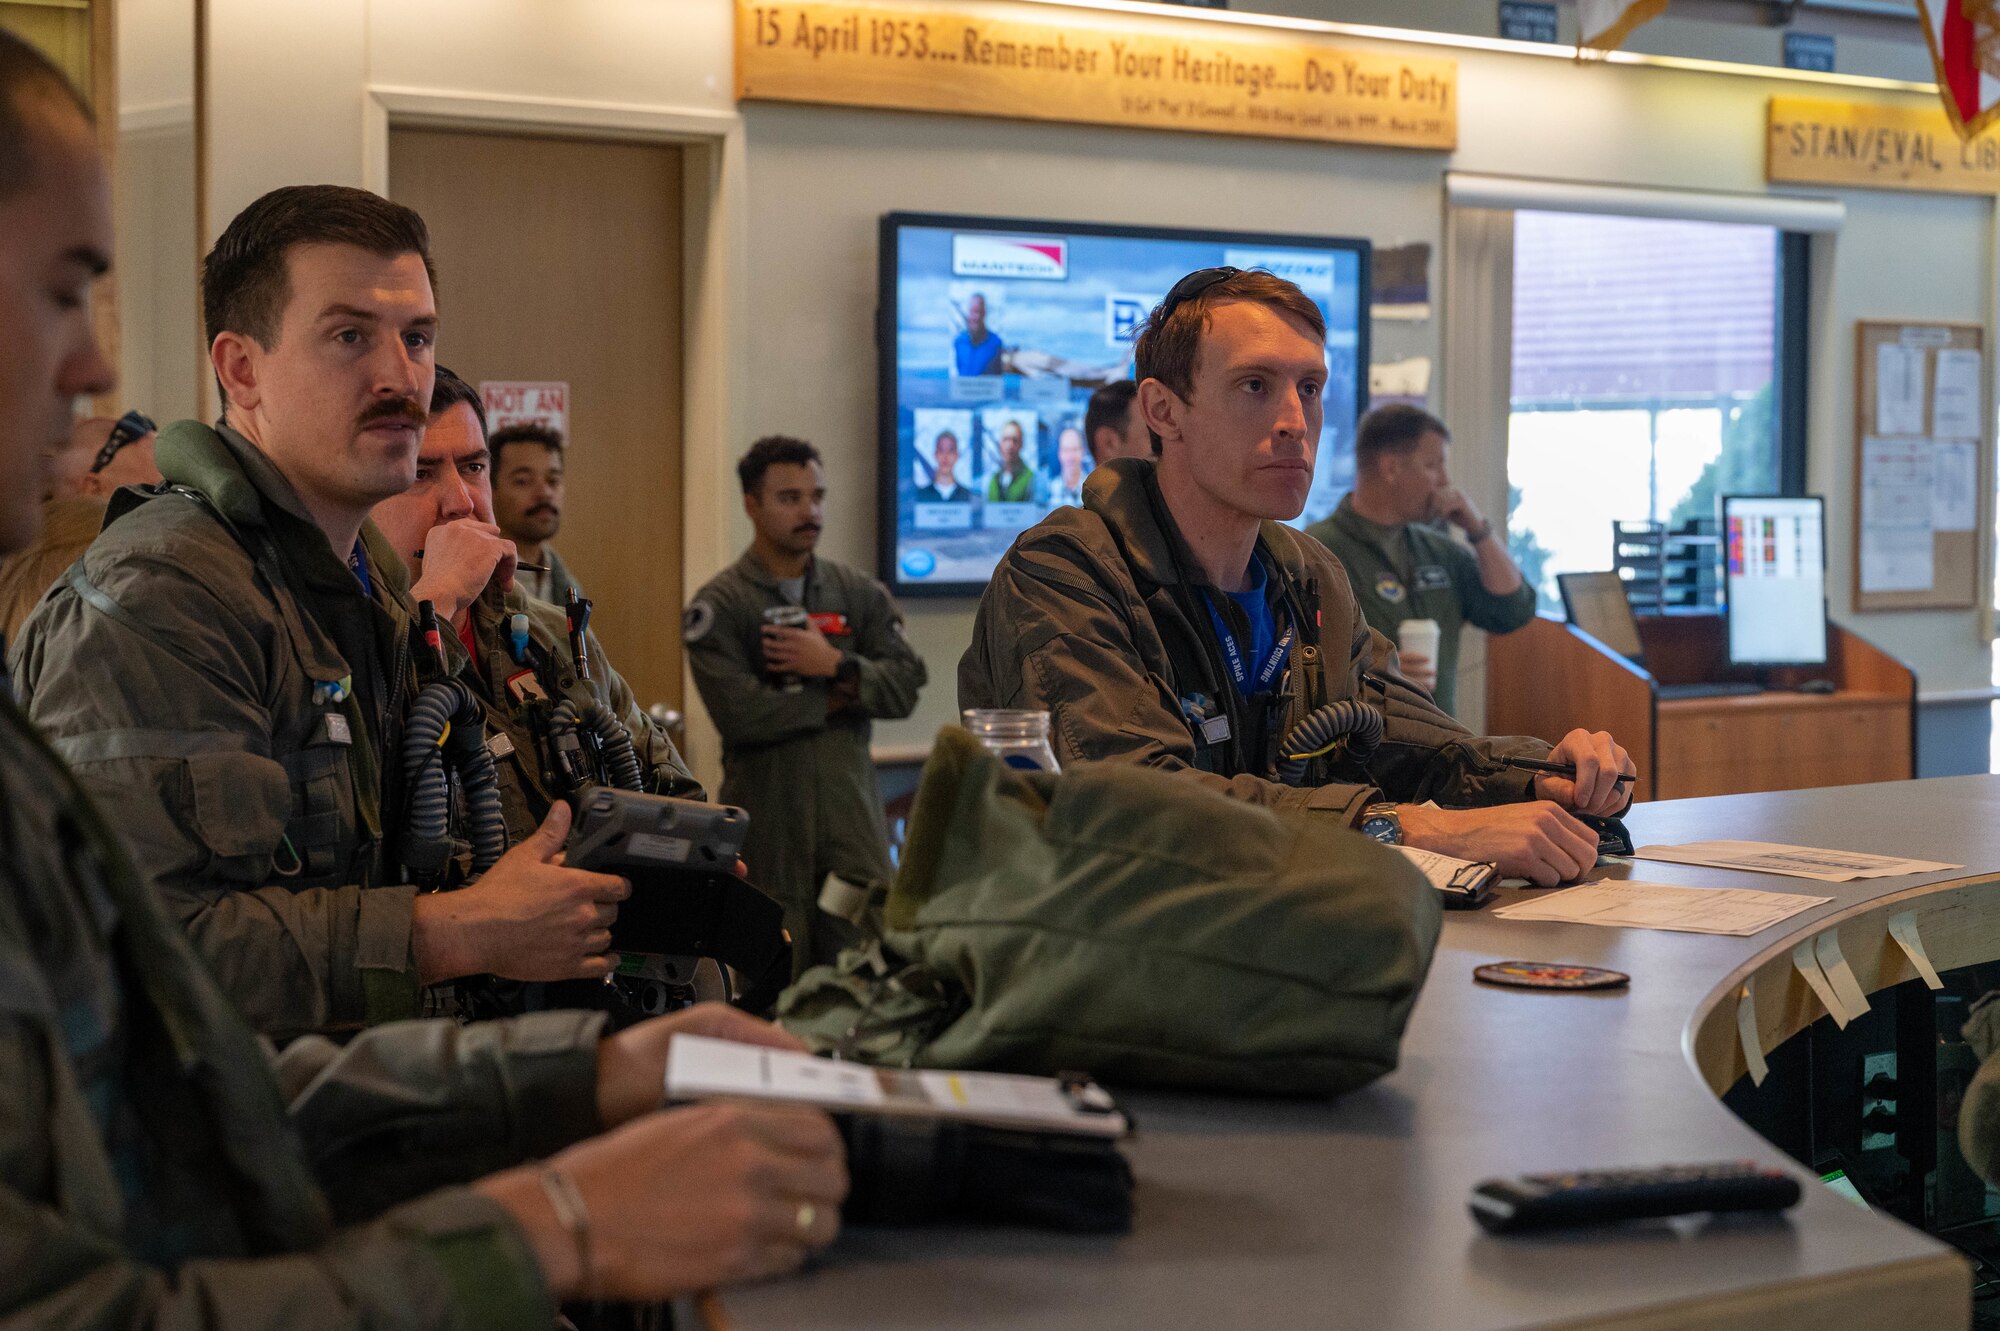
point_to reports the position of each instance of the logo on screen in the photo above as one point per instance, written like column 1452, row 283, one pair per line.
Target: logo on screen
column 919, row 564
column 1312, row 273
column 1042, row 258
column 1123, row 316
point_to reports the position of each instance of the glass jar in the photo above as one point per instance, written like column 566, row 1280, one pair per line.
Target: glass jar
column 1019, row 739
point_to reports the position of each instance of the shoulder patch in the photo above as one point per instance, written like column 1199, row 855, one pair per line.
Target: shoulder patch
column 696, row 621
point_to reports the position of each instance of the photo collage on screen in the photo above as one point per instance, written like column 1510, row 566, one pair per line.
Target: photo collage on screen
column 999, row 339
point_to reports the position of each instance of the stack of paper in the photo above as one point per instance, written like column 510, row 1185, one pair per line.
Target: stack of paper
column 1635, row 905
column 1826, row 866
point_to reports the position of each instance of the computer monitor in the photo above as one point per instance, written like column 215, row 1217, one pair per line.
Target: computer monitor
column 1774, row 568
column 1597, row 604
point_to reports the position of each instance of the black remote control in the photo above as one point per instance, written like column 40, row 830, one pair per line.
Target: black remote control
column 1606, row 1196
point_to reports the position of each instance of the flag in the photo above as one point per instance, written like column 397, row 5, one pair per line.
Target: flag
column 1605, row 24
column 1964, row 37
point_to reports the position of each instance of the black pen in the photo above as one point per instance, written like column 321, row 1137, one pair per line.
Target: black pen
column 1558, row 769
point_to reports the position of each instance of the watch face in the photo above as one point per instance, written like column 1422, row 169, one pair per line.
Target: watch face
column 1382, row 828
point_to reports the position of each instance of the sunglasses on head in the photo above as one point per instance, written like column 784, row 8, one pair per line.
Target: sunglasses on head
column 130, row 428
column 1191, row 286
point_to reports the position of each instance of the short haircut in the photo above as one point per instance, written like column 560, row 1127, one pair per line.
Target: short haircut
column 244, row 279
column 23, row 72
column 1110, row 408
column 1396, row 427
column 943, row 435
column 771, row 451
column 1171, row 339
column 525, row 432
column 450, row 391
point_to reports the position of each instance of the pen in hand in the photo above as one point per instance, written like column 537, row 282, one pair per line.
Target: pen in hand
column 1558, row 769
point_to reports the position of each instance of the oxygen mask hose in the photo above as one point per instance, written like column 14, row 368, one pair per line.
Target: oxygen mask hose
column 616, row 761
column 445, row 737
column 1349, row 721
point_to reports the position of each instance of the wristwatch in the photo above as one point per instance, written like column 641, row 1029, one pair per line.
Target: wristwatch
column 1380, row 822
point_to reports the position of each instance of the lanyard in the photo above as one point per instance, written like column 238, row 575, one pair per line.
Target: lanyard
column 357, row 561
column 1232, row 652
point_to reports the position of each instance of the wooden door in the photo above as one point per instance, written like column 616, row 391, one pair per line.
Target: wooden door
column 560, row 259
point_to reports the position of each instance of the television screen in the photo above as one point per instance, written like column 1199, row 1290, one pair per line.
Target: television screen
column 994, row 335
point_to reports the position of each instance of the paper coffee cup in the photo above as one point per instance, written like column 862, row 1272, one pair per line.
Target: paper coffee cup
column 1419, row 637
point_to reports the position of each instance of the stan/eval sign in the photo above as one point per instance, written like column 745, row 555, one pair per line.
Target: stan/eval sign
column 525, row 402
column 1091, row 66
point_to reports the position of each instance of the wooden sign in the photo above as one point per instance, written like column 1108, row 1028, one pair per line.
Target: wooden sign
column 1036, row 62
column 1813, row 142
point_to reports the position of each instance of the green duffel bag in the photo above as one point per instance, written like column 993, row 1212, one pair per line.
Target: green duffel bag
column 1132, row 924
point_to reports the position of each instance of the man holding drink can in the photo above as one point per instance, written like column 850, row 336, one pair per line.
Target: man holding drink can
column 795, row 656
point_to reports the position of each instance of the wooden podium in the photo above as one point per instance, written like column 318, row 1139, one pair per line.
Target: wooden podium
column 1551, row 677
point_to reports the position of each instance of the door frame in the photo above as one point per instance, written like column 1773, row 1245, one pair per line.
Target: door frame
column 715, row 262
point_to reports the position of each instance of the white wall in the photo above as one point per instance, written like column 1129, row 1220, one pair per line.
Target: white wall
column 796, row 341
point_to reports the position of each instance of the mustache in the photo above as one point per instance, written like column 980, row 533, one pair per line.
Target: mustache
column 550, row 509
column 394, row 411
column 810, row 526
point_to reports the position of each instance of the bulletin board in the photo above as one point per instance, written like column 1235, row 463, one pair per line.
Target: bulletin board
column 1922, row 464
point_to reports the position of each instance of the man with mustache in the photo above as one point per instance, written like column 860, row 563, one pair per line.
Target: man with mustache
column 794, row 704
column 158, row 1167
column 229, row 666
column 1175, row 622
column 528, row 495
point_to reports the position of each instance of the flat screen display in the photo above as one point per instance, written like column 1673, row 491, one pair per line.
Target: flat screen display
column 1774, row 565
column 994, row 335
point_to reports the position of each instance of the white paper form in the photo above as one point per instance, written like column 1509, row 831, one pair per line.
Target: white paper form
column 1899, row 389
column 1955, row 396
column 1631, row 904
column 1954, row 485
column 1826, row 866
column 1896, row 522
column 699, row 1067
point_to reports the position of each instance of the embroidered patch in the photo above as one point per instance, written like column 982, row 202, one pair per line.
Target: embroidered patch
column 696, row 621
column 1433, row 578
column 523, row 686
column 1390, row 590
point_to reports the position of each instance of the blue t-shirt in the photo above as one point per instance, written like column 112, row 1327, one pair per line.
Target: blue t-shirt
column 1257, row 669
column 981, row 357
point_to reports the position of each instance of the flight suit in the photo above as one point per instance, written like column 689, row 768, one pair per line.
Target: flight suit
column 151, row 1173
column 1094, row 616
column 1415, row 571
column 214, row 672
column 799, row 761
column 505, row 684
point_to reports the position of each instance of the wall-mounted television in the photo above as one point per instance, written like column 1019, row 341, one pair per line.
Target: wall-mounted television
column 993, row 335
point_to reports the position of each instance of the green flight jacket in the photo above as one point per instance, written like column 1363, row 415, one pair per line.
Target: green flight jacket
column 799, row 762
column 1087, row 618
column 150, row 1172
column 186, row 670
column 524, row 788
column 1415, row 571
column 559, row 580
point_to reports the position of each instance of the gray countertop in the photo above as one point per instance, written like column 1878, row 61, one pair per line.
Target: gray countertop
column 1352, row 1213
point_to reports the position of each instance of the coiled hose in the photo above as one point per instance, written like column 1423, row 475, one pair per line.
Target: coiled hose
column 447, row 731
column 614, row 743
column 1314, row 737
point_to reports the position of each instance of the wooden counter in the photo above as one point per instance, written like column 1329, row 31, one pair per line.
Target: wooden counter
column 1351, row 1213
column 1550, row 678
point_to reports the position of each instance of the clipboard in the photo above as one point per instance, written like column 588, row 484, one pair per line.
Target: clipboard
column 1460, row 884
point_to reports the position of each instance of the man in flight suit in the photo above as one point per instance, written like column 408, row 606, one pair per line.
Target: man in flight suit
column 1174, row 621
column 229, row 665
column 443, row 528
column 1401, row 566
column 794, row 705
column 151, row 1173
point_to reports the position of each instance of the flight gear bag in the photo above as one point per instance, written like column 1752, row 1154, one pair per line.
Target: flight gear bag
column 1132, row 923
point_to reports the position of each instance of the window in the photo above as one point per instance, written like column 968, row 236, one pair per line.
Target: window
column 1649, row 378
